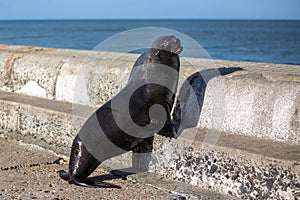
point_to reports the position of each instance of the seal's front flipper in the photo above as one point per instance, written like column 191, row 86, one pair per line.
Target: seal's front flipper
column 86, row 182
column 169, row 129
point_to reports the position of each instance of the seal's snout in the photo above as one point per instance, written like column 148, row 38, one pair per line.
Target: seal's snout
column 177, row 46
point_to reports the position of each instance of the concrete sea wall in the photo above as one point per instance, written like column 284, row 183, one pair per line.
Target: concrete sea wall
column 261, row 101
column 46, row 94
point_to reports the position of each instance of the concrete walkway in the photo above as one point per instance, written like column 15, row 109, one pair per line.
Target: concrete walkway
column 30, row 172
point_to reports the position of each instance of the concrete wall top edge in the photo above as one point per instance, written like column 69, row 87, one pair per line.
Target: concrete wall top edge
column 286, row 69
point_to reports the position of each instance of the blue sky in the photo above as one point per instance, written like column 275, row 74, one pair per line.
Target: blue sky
column 149, row 9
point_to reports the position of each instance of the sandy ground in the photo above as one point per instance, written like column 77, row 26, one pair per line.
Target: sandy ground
column 30, row 172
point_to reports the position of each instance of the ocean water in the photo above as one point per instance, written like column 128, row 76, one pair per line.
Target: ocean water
column 261, row 41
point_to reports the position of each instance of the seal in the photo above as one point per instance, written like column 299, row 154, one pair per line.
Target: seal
column 128, row 121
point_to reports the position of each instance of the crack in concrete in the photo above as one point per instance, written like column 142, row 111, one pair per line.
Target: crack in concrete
column 22, row 166
column 8, row 69
column 60, row 65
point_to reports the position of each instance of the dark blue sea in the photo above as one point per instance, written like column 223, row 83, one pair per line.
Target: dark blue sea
column 263, row 41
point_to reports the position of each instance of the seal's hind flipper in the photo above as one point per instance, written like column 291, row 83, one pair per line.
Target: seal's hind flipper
column 64, row 175
column 85, row 182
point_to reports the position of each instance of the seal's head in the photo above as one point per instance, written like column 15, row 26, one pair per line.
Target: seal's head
column 167, row 43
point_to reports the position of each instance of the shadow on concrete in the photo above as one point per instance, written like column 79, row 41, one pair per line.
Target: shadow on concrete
column 187, row 110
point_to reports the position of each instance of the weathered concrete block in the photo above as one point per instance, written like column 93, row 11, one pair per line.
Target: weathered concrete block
column 47, row 125
column 232, row 171
column 252, row 105
column 9, row 115
column 41, row 67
